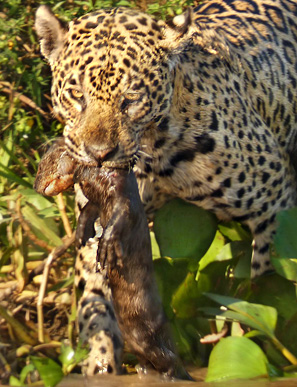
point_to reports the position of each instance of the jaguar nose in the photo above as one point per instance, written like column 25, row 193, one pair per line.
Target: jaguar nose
column 101, row 153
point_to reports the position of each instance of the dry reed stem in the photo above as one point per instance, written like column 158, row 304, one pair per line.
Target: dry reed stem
column 57, row 252
column 62, row 209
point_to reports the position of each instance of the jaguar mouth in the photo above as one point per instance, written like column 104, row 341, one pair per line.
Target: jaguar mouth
column 125, row 165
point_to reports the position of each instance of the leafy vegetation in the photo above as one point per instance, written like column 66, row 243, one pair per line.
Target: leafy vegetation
column 202, row 266
column 258, row 317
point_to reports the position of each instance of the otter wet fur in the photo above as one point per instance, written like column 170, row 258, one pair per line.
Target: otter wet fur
column 123, row 254
column 96, row 319
column 55, row 170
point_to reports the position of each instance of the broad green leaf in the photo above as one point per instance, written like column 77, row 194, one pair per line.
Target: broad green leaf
column 28, row 368
column 9, row 145
column 284, row 258
column 288, row 333
column 260, row 317
column 50, row 372
column 169, row 274
column 215, row 248
column 243, row 266
column 15, row 382
column 70, row 357
column 274, row 290
column 253, row 333
column 236, row 358
column 40, row 202
column 286, row 267
column 185, row 299
column 220, row 256
column 234, row 250
column 50, row 212
column 285, row 238
column 66, row 358
column 124, row 3
column 235, row 231
column 183, row 230
column 187, row 335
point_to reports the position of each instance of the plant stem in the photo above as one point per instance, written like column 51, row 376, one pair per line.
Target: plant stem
column 285, row 352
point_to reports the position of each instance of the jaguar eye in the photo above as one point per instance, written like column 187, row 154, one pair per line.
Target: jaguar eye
column 77, row 94
column 129, row 98
column 132, row 96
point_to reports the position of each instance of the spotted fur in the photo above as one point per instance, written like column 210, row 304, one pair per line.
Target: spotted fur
column 96, row 318
column 206, row 104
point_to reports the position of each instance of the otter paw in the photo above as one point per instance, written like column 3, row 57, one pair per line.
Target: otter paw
column 110, row 250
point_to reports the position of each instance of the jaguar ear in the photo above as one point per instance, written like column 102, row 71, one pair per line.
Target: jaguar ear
column 51, row 32
column 177, row 32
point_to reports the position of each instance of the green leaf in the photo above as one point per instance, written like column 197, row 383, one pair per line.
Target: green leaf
column 288, row 333
column 66, row 357
column 253, row 333
column 169, row 274
column 13, row 381
column 34, row 198
column 234, row 231
column 50, row 372
column 70, row 357
column 185, row 300
column 13, row 177
column 16, row 160
column 275, row 291
column 213, row 252
column 285, row 238
column 41, row 225
column 155, row 248
column 220, row 256
column 285, row 257
column 183, row 230
column 260, row 317
column 286, row 267
column 25, row 371
column 236, row 358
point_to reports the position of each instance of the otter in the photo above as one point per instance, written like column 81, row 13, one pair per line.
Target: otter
column 96, row 321
column 123, row 255
column 55, row 170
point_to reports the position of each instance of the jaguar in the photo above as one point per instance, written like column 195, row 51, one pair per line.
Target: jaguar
column 204, row 106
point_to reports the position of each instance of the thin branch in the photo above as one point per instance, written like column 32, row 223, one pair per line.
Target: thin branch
column 60, row 250
column 7, row 88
